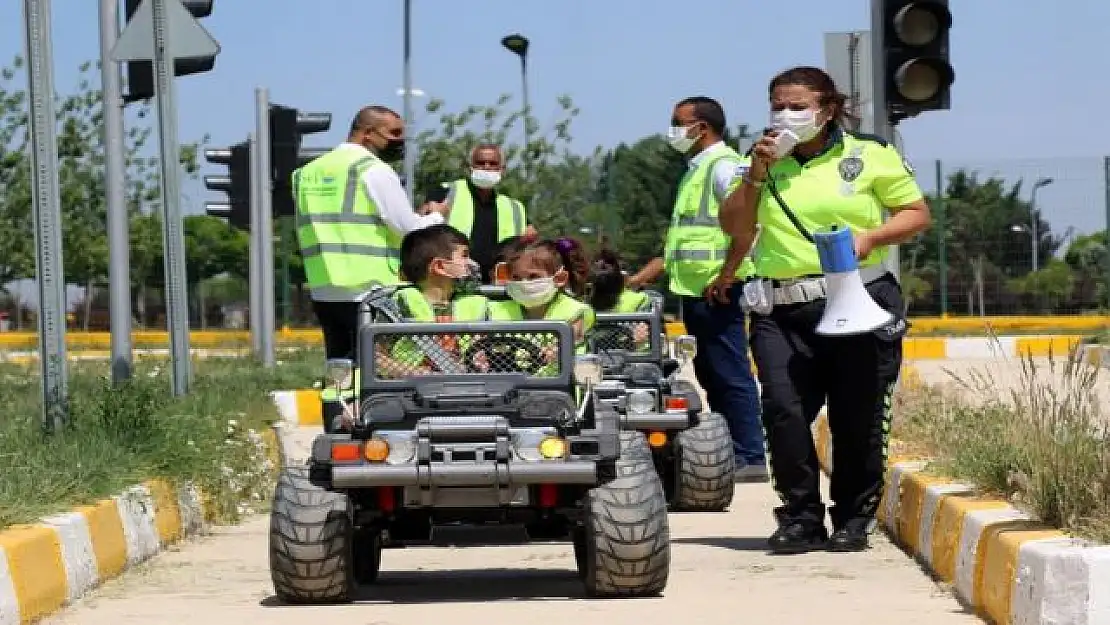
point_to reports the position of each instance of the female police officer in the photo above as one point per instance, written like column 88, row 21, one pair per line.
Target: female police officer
column 829, row 177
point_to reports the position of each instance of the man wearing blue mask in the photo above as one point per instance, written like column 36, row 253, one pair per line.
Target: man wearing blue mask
column 694, row 252
column 479, row 210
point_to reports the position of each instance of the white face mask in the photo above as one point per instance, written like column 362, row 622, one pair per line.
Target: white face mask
column 802, row 123
column 532, row 293
column 677, row 137
column 485, row 179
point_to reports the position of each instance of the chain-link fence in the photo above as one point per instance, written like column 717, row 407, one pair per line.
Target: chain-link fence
column 1012, row 237
column 401, row 353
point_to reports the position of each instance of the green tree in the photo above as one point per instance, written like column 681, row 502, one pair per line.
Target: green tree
column 1089, row 258
column 443, row 150
column 81, row 181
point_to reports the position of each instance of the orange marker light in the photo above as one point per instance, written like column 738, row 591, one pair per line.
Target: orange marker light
column 376, row 450
column 657, row 439
column 345, row 452
column 675, row 403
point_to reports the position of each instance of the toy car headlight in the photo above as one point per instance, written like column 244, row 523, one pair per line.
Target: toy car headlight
column 340, row 372
column 401, row 444
column 587, row 369
column 640, row 402
column 685, row 347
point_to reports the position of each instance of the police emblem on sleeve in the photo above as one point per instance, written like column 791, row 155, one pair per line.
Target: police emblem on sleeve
column 850, row 168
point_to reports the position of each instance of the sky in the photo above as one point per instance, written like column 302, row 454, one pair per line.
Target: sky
column 625, row 62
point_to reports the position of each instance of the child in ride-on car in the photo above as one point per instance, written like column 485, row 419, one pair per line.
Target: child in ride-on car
column 538, row 275
column 436, row 261
column 608, row 294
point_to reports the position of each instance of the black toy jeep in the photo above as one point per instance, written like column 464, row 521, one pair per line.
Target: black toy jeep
column 691, row 449
column 469, row 434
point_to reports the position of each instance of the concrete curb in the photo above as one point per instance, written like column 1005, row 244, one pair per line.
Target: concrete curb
column 47, row 565
column 298, row 407
column 1009, row 568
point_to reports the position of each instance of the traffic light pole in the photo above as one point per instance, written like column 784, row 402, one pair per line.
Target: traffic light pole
column 265, row 228
column 173, row 241
column 119, row 240
column 880, row 112
column 254, row 278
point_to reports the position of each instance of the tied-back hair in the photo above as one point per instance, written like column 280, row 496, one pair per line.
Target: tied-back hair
column 606, row 280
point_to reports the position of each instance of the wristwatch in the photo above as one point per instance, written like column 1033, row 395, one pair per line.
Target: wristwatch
column 752, row 181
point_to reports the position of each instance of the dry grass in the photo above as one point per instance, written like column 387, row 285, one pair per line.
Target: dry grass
column 1045, row 445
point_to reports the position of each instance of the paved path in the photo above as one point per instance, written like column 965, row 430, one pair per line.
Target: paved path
column 1006, row 376
column 720, row 574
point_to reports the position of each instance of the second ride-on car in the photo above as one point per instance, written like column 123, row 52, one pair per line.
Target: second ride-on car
column 468, row 434
column 690, row 448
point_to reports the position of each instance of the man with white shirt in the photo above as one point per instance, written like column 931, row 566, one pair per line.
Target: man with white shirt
column 694, row 251
column 351, row 215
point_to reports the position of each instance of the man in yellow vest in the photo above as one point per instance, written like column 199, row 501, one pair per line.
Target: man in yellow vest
column 694, row 252
column 351, row 215
column 477, row 209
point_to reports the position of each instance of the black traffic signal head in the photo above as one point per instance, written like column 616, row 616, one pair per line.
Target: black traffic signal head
column 236, row 184
column 287, row 127
column 140, row 74
column 916, row 63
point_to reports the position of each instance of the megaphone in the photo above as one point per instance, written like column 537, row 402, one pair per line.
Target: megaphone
column 849, row 308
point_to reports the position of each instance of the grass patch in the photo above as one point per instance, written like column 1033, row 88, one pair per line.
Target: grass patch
column 1045, row 446
column 119, row 437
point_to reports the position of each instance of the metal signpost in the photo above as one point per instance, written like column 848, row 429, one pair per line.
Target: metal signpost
column 161, row 31
column 47, row 214
column 254, row 251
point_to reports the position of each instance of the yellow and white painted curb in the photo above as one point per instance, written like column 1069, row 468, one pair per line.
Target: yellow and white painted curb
column 1011, row 569
column 51, row 563
column 298, row 407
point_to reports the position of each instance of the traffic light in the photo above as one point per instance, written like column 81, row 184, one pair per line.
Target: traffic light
column 287, row 128
column 140, row 74
column 918, row 73
column 236, row 184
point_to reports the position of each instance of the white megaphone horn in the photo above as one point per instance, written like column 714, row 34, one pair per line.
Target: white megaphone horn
column 849, row 308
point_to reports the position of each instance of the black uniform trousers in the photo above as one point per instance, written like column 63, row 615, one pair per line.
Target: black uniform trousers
column 339, row 323
column 854, row 376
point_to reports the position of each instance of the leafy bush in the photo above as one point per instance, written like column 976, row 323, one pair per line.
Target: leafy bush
column 117, row 437
column 1046, row 446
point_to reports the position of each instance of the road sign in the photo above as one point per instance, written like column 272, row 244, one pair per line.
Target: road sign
column 188, row 39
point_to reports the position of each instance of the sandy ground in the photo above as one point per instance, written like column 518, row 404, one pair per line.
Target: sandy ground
column 1005, row 376
column 720, row 573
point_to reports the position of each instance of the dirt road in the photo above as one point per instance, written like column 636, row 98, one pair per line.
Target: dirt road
column 719, row 574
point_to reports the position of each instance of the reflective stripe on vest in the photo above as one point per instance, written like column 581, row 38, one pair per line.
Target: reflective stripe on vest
column 696, row 246
column 346, row 247
column 510, row 212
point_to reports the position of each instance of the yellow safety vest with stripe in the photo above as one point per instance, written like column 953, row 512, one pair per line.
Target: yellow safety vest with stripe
column 630, row 302
column 696, row 246
column 345, row 245
column 416, row 308
column 563, row 308
column 511, row 217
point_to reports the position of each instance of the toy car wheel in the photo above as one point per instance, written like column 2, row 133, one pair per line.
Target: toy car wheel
column 310, row 542
column 626, row 546
column 706, row 463
column 634, row 444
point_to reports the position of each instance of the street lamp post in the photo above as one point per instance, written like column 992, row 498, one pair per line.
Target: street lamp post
column 518, row 45
column 410, row 138
column 410, row 162
column 1033, row 231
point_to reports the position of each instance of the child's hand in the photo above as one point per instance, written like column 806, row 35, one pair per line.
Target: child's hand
column 481, row 362
column 549, row 353
column 641, row 332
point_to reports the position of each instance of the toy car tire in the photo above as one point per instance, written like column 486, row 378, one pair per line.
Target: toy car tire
column 311, row 555
column 634, row 444
column 706, row 463
column 625, row 544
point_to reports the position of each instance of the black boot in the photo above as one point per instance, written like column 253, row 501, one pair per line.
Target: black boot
column 851, row 536
column 796, row 537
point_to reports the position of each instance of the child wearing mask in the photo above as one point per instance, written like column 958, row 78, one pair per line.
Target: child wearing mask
column 538, row 275
column 608, row 294
column 436, row 261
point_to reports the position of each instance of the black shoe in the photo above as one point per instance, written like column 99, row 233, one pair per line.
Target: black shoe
column 798, row 538
column 851, row 537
